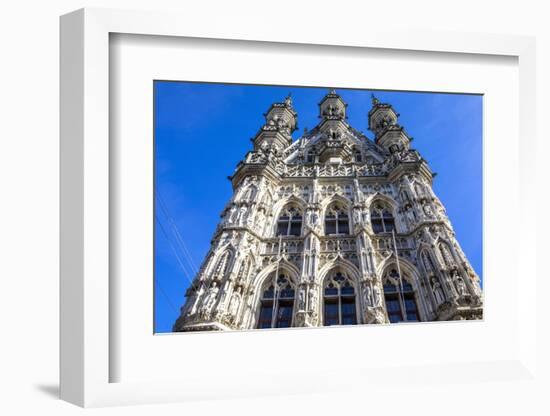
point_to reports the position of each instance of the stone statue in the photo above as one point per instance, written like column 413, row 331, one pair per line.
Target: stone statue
column 428, row 210
column 301, row 300
column 312, row 298
column 211, row 297
column 377, row 300
column 460, row 285
column 367, row 295
column 234, row 304
column 356, row 216
column 438, row 291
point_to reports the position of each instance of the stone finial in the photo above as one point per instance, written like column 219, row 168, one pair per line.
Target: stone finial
column 288, row 100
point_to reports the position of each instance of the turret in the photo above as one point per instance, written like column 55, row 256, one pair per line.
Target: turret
column 383, row 123
column 280, row 121
column 332, row 107
column 332, row 147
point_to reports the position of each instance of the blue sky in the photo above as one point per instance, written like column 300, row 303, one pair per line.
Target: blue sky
column 203, row 130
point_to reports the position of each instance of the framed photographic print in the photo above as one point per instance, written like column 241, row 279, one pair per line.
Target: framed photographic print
column 324, row 226
column 266, row 208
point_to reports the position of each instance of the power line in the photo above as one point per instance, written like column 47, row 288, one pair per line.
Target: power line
column 177, row 234
column 182, row 266
column 166, row 296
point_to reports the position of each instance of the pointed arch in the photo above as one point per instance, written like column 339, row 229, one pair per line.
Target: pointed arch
column 377, row 196
column 403, row 297
column 267, row 198
column 445, row 252
column 342, row 263
column 325, row 203
column 383, row 213
column 336, row 215
column 223, row 263
column 339, row 283
column 245, row 269
column 289, row 221
column 248, row 193
column 275, row 296
column 426, row 259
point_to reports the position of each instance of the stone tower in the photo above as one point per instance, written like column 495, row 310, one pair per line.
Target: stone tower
column 331, row 229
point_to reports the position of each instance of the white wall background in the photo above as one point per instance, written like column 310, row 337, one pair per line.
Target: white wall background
column 29, row 185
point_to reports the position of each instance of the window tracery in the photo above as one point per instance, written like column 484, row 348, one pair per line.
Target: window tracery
column 382, row 220
column 339, row 301
column 289, row 222
column 400, row 298
column 336, row 220
column 277, row 303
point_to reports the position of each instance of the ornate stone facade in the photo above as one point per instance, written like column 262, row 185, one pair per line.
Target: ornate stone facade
column 331, row 229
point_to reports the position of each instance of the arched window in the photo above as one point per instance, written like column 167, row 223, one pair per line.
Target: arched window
column 400, row 299
column 382, row 220
column 290, row 222
column 339, row 301
column 336, row 220
column 358, row 156
column 310, row 156
column 277, row 304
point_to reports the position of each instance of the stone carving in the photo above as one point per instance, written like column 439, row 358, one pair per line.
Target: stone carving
column 301, row 299
column 377, row 296
column 210, row 298
column 437, row 291
column 367, row 295
column 459, row 284
column 234, row 303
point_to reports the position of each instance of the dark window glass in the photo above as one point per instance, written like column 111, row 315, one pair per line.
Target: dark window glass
column 296, row 226
column 282, row 226
column 340, row 307
column 331, row 291
column 330, row 226
column 331, row 312
column 287, row 292
column 268, row 294
column 377, row 226
column 393, row 307
column 284, row 316
column 388, row 225
column 389, row 288
column 290, row 223
column 343, row 227
column 393, row 304
column 349, row 316
column 412, row 317
column 347, row 290
column 266, row 312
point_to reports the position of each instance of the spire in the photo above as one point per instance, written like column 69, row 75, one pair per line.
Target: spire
column 332, row 107
column 288, row 100
column 383, row 123
column 280, row 121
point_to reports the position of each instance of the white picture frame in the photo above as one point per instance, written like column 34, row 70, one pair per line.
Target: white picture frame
column 87, row 302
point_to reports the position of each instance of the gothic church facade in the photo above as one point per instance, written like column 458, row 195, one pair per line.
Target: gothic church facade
column 331, row 229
